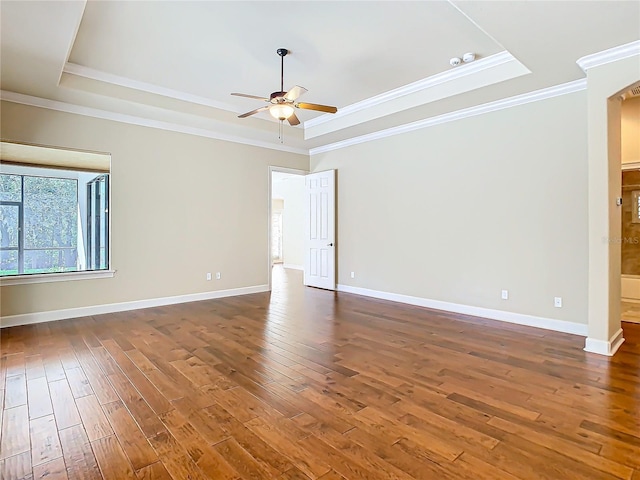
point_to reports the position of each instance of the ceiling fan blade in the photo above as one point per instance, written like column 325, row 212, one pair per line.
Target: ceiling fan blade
column 295, row 92
column 250, row 96
column 253, row 112
column 293, row 120
column 319, row 108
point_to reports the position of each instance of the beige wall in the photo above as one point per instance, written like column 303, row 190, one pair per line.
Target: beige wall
column 459, row 211
column 181, row 206
column 292, row 192
column 631, row 130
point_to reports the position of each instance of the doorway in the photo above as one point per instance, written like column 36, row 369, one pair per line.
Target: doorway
column 630, row 225
column 286, row 225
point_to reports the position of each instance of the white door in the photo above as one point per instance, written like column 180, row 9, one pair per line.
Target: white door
column 320, row 258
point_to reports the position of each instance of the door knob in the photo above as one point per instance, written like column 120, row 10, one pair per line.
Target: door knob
column 329, row 244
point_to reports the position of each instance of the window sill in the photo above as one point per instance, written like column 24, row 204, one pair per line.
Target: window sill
column 55, row 277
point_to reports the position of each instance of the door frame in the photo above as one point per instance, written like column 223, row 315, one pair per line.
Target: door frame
column 273, row 169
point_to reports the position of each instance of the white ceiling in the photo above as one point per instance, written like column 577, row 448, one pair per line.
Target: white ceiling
column 175, row 63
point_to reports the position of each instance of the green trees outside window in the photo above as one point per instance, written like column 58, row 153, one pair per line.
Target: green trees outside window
column 42, row 227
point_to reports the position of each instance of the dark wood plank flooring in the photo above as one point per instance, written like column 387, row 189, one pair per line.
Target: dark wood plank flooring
column 305, row 384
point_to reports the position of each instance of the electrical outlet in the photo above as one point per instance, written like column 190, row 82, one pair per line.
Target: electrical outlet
column 505, row 294
column 217, row 275
column 353, row 274
column 557, row 302
column 209, row 276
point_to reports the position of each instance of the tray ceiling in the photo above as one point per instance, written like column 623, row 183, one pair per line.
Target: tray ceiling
column 381, row 63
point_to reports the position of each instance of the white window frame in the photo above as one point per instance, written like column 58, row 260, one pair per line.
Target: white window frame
column 34, row 278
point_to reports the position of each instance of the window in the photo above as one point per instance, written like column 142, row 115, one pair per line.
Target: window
column 97, row 223
column 52, row 220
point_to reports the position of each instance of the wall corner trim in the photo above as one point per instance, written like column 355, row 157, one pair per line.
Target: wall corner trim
column 610, row 55
column 501, row 315
column 603, row 347
column 53, row 315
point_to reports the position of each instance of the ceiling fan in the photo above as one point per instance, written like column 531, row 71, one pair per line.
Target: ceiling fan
column 282, row 104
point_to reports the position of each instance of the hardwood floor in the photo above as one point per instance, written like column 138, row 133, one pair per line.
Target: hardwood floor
column 305, row 383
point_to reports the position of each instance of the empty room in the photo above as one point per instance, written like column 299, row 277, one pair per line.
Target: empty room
column 332, row 240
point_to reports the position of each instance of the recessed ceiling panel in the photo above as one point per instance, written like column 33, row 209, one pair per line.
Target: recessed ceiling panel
column 342, row 52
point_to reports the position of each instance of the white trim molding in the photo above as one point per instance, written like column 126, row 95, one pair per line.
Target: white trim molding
column 631, row 166
column 100, row 76
column 55, row 277
column 501, row 315
column 292, row 266
column 53, row 315
column 447, row 84
column 536, row 95
column 610, row 55
column 30, row 100
column 429, row 82
column 603, row 347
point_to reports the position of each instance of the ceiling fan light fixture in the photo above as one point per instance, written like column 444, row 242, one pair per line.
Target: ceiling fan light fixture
column 281, row 111
column 281, row 104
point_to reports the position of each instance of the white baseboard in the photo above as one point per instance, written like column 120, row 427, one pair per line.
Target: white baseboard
column 604, row 347
column 49, row 316
column 518, row 318
column 293, row 267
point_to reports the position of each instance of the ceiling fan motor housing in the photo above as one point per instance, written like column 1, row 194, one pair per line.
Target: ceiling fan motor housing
column 277, row 95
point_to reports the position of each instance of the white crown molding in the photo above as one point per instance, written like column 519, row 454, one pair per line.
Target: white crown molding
column 607, row 56
column 501, row 315
column 144, row 122
column 93, row 74
column 429, row 82
column 534, row 96
column 53, row 315
column 502, row 104
column 603, row 347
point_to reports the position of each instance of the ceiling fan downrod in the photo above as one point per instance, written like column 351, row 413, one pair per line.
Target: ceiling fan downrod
column 283, row 53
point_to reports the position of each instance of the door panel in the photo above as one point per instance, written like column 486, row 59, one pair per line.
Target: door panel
column 319, row 266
